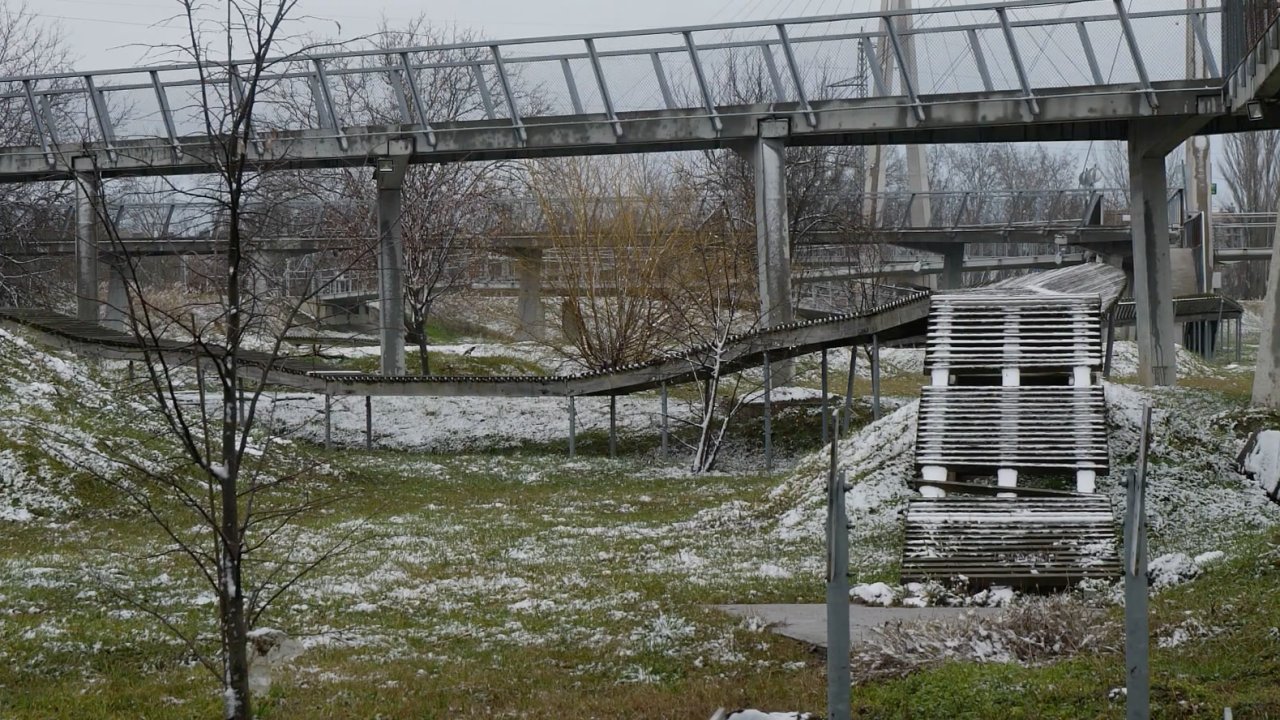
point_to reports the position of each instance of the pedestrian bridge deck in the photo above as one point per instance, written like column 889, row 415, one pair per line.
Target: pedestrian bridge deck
column 995, row 71
column 898, row 320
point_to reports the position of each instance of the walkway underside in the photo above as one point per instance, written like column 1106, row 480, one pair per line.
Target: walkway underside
column 892, row 322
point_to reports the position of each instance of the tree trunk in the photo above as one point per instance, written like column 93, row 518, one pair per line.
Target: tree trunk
column 420, row 316
column 232, row 622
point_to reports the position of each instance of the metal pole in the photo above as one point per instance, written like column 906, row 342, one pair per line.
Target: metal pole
column 875, row 377
column 1239, row 336
column 1137, row 639
column 328, row 421
column 613, row 426
column 573, row 427
column 838, row 674
column 825, row 404
column 1111, row 343
column 368, row 422
column 768, row 414
column 665, row 428
column 848, row 390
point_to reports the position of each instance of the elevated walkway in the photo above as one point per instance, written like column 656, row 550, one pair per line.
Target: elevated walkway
column 898, row 320
column 985, row 72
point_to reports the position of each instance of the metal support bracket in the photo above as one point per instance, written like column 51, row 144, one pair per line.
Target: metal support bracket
column 1138, row 64
column 798, row 81
column 38, row 121
column 99, row 103
column 522, row 135
column 162, row 98
column 410, row 81
column 1032, row 104
column 908, row 83
column 604, row 87
column 707, row 99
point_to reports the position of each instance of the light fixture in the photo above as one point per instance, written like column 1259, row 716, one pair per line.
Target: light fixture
column 386, row 165
column 1254, row 109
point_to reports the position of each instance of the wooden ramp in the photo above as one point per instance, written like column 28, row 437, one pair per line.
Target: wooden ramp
column 1026, row 542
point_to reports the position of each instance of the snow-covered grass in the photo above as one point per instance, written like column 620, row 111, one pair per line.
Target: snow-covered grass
column 517, row 582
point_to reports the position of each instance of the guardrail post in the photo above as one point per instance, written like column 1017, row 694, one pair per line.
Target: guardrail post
column 1136, row 590
column 665, row 424
column 613, row 426
column 875, row 377
column 368, row 422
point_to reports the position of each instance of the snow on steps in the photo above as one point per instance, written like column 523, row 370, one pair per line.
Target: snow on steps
column 1040, row 542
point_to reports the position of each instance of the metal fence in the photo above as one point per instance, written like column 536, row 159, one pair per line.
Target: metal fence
column 1244, row 22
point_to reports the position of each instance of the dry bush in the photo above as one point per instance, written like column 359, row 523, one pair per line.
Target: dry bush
column 1037, row 631
column 618, row 235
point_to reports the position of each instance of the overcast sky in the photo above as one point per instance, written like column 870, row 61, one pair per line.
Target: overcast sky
column 114, row 33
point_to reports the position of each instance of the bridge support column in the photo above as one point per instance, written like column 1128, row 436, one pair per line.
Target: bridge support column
column 1152, row 268
column 389, row 174
column 88, row 194
column 773, row 242
column 952, row 277
column 533, row 316
column 115, row 314
column 1266, row 379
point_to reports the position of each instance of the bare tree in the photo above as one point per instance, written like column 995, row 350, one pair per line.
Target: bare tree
column 712, row 300
column 617, row 232
column 217, row 502
column 29, row 212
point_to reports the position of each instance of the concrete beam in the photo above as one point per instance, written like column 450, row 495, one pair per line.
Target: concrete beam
column 1153, row 274
column 88, row 193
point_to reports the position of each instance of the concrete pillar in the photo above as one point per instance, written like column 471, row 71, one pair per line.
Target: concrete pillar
column 389, row 174
column 88, row 194
column 1266, row 379
column 115, row 313
column 533, row 316
column 952, row 277
column 773, row 243
column 1152, row 269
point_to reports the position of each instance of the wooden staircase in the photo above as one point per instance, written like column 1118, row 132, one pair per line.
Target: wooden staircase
column 1013, row 396
column 1041, row 543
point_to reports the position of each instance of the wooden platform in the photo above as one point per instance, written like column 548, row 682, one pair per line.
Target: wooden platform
column 1045, row 428
column 1026, row 542
column 970, row 331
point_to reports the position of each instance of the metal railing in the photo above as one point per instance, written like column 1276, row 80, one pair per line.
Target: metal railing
column 1025, row 47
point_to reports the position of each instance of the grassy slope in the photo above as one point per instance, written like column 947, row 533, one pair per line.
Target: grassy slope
column 519, row 585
